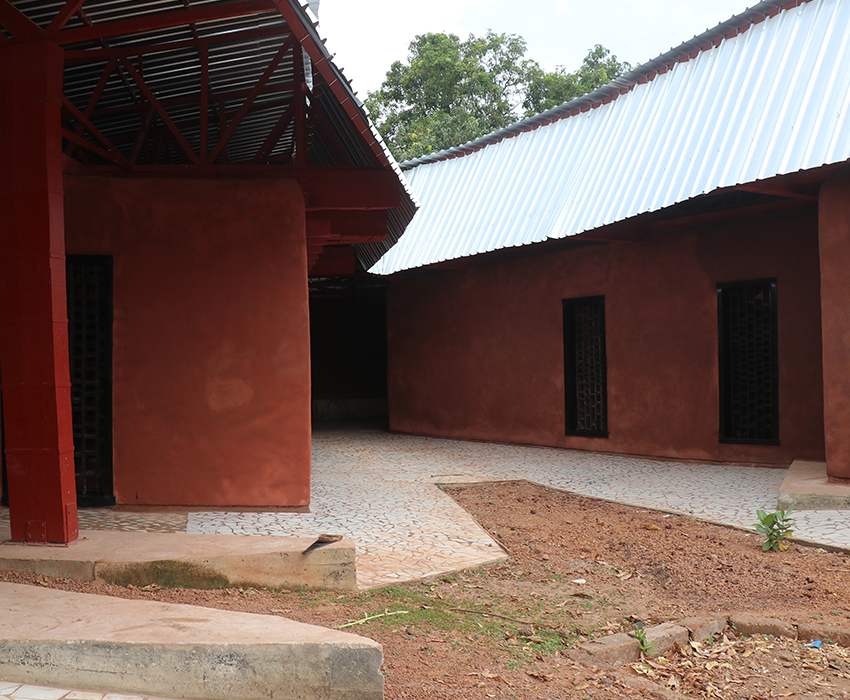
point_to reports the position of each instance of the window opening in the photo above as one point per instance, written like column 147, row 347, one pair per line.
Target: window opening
column 585, row 367
column 89, row 286
column 748, row 362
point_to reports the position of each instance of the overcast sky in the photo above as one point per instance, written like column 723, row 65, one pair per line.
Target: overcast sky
column 368, row 35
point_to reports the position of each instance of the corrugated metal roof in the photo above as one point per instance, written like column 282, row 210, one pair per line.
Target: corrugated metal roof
column 770, row 98
column 240, row 50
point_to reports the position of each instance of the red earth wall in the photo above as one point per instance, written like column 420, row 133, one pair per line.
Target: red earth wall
column 211, row 336
column 834, row 211
column 478, row 354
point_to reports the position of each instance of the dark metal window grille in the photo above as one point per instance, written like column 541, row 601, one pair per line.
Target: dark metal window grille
column 749, row 367
column 89, row 279
column 585, row 367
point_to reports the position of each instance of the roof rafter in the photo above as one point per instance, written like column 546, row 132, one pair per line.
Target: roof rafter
column 74, row 57
column 18, row 23
column 61, row 19
column 172, row 128
column 162, row 20
column 288, row 45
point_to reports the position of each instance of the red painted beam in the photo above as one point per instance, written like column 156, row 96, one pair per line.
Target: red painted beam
column 274, row 135
column 115, row 155
column 163, row 20
column 726, row 215
column 75, row 57
column 288, row 45
column 790, row 194
column 106, row 154
column 181, row 141
column 353, row 226
column 321, row 64
column 345, row 189
column 349, row 190
column 95, row 96
column 18, row 23
column 61, row 19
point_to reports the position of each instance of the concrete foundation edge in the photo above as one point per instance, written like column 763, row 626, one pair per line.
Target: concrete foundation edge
column 205, row 672
column 807, row 487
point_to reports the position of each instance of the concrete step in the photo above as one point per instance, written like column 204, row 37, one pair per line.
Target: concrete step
column 807, row 487
column 98, row 643
column 191, row 561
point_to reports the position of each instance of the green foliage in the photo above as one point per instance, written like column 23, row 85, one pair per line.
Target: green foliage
column 451, row 91
column 547, row 90
column 776, row 528
column 645, row 644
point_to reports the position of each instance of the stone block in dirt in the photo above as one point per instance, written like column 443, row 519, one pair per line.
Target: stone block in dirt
column 702, row 628
column 748, row 625
column 616, row 649
column 810, row 631
column 661, row 638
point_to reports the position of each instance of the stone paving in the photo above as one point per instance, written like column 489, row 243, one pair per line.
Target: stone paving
column 21, row 691
column 381, row 490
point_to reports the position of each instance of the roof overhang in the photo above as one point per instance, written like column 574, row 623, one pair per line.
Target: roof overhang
column 212, row 88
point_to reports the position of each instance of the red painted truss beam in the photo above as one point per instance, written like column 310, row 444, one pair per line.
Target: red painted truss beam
column 61, row 19
column 109, row 155
column 249, row 100
column 321, row 64
column 74, row 57
column 95, row 96
column 18, row 23
column 83, row 120
column 163, row 20
column 181, row 141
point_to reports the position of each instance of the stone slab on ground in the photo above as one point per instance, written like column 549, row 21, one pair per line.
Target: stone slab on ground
column 749, row 625
column 807, row 487
column 615, row 649
column 192, row 561
column 75, row 640
column 811, row 631
column 703, row 628
column 661, row 638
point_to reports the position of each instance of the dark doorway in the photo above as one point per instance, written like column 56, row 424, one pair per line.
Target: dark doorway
column 348, row 348
column 89, row 279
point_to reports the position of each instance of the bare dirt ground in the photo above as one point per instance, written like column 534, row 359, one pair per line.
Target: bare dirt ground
column 579, row 569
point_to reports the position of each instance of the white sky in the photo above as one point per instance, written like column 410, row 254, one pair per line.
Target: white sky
column 368, row 35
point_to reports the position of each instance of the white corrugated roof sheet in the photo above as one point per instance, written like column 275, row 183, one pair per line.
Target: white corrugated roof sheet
column 772, row 100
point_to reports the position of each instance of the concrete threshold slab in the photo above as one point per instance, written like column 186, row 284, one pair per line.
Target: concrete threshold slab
column 807, row 487
column 76, row 640
column 192, row 561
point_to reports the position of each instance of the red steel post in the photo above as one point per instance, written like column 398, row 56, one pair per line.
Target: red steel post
column 33, row 313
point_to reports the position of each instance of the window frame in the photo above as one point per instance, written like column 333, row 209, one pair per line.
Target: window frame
column 571, row 369
column 726, row 430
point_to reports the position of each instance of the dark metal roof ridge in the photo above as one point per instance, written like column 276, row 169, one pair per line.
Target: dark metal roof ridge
column 710, row 38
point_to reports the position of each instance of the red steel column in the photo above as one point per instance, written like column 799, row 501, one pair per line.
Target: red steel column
column 834, row 244
column 33, row 312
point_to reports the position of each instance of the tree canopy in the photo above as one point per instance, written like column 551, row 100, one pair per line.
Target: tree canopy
column 451, row 91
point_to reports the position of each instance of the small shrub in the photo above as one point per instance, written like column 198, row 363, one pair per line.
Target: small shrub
column 776, row 528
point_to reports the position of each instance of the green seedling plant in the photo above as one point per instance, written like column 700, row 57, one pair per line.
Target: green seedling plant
column 645, row 644
column 776, row 528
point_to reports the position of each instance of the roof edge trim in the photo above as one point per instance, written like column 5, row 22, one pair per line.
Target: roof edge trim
column 688, row 50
